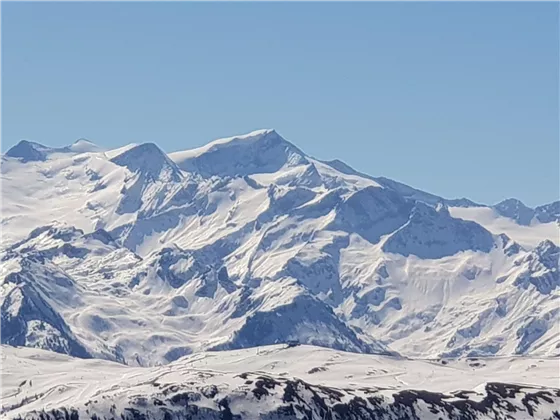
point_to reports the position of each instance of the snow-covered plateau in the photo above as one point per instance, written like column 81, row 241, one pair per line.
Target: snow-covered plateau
column 140, row 284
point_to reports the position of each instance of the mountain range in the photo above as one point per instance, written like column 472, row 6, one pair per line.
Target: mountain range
column 184, row 274
column 142, row 257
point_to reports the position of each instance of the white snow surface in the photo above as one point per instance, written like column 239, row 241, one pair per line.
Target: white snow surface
column 244, row 138
column 36, row 380
column 248, row 241
column 526, row 236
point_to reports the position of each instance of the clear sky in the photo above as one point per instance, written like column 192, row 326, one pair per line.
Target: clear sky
column 458, row 99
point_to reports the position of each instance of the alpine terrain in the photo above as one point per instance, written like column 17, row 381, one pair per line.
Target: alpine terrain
column 139, row 284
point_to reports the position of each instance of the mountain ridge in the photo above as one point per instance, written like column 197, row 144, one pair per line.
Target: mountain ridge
column 334, row 163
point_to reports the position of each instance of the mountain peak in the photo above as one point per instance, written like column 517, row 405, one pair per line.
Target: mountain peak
column 516, row 210
column 548, row 212
column 252, row 137
column 547, row 247
column 511, row 202
column 149, row 160
column 261, row 151
column 432, row 233
column 83, row 145
column 262, row 132
column 462, row 202
column 28, row 151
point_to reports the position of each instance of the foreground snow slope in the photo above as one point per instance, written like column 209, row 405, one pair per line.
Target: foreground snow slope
column 275, row 382
column 140, row 257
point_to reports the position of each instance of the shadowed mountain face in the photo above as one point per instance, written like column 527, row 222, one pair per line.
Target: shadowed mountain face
column 28, row 151
column 520, row 213
column 141, row 257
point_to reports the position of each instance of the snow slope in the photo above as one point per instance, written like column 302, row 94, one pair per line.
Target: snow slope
column 528, row 236
column 275, row 382
column 140, row 257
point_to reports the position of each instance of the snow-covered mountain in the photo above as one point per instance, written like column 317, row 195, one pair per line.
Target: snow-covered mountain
column 523, row 215
column 275, row 382
column 140, row 257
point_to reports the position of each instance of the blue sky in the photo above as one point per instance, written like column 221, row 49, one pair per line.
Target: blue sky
column 459, row 99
